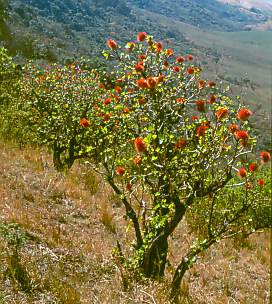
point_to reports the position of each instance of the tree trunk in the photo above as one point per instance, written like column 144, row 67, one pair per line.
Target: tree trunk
column 155, row 258
column 186, row 263
column 178, row 276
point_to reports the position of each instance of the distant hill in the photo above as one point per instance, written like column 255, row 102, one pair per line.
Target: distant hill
column 57, row 29
column 263, row 5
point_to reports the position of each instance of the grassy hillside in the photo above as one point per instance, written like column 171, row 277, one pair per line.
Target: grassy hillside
column 67, row 226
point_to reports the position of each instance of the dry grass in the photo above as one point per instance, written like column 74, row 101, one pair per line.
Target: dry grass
column 72, row 222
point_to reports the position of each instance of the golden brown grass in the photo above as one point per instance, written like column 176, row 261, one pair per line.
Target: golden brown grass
column 73, row 220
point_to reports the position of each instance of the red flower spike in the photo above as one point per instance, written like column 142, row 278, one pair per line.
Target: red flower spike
column 107, row 117
column 126, row 110
column 131, row 46
column 213, row 99
column 180, row 100
column 190, row 57
column 244, row 114
column 142, row 83
column 201, row 130
column 142, row 57
column 201, row 84
column 139, row 67
column 151, row 81
column 211, row 84
column 141, row 36
column 118, row 89
column 159, row 47
column 249, row 185
column 190, row 71
column 102, row 86
column 180, row 59
column 242, row 172
column 84, row 122
column 160, row 78
column 169, row 52
column 253, row 167
column 241, row 135
column 261, row 182
column 176, row 69
column 265, row 156
column 195, row 118
column 222, row 113
column 200, row 105
column 107, row 101
column 181, row 144
column 120, row 171
column 140, row 145
column 112, row 44
column 233, row 128
column 137, row 160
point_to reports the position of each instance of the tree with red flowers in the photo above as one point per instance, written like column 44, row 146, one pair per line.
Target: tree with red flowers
column 173, row 146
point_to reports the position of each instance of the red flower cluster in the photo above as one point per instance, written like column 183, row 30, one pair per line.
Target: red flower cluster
column 195, row 117
column 149, row 83
column 140, row 145
column 131, row 46
column 142, row 57
column 84, row 122
column 244, row 114
column 159, row 47
column 233, row 128
column 200, row 105
column 152, row 82
column 190, row 57
column 201, row 130
column 176, row 69
column 169, row 52
column 241, row 135
column 139, row 67
column 213, row 99
column 142, row 83
column 118, row 89
column 211, row 84
column 265, row 156
column 253, row 167
column 141, row 36
column 180, row 100
column 107, row 101
column 137, row 160
column 120, row 171
column 242, row 172
column 261, row 182
column 180, row 59
column 190, row 70
column 181, row 144
column 112, row 44
column 201, row 84
column 222, row 113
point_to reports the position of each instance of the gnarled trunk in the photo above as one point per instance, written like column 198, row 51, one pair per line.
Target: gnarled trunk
column 155, row 258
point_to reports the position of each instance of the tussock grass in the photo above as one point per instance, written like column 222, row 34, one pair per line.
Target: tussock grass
column 71, row 222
